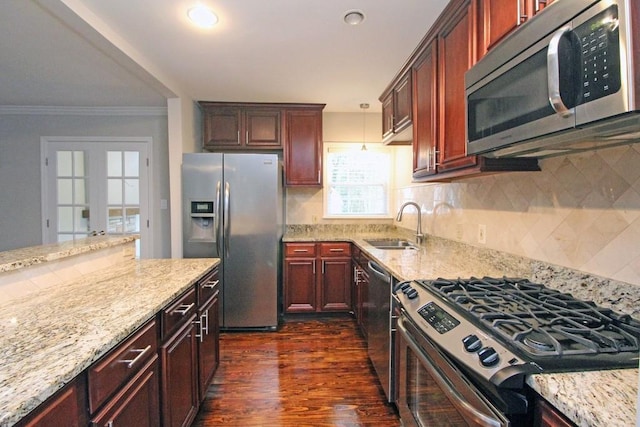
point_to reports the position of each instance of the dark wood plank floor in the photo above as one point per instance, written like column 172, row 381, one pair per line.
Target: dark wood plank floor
column 312, row 372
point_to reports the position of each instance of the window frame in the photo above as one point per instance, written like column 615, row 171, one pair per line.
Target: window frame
column 357, row 148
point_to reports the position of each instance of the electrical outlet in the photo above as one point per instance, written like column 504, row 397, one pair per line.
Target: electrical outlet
column 482, row 233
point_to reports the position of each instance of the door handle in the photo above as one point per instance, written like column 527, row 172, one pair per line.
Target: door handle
column 227, row 218
column 217, row 218
column 553, row 73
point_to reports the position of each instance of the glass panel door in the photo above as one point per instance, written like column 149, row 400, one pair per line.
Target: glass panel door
column 72, row 196
column 94, row 188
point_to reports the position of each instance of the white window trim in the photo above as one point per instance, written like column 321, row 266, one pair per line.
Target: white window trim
column 351, row 146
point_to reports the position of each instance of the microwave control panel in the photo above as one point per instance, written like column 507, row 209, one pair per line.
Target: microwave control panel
column 600, row 55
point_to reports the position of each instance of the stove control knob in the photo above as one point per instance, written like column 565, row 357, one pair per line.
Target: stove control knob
column 488, row 356
column 412, row 294
column 404, row 286
column 472, row 343
column 407, row 289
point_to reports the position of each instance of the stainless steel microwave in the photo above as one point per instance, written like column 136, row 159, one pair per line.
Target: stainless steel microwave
column 566, row 81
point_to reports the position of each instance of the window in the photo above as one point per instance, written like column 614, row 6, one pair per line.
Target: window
column 357, row 183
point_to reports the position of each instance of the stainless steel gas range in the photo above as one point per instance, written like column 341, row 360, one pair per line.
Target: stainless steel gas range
column 465, row 346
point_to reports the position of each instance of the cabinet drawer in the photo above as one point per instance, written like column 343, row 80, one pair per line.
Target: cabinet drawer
column 178, row 312
column 208, row 286
column 335, row 249
column 120, row 364
column 300, row 249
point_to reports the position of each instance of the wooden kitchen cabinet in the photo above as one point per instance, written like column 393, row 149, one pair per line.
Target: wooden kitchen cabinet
column 425, row 111
column 501, row 17
column 137, row 403
column 335, row 278
column 179, row 362
column 437, row 67
column 208, row 328
column 545, row 415
column 317, row 277
column 66, row 408
column 241, row 126
column 303, row 147
column 300, row 278
column 397, row 112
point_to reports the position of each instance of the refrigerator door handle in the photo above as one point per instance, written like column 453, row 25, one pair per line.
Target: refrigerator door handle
column 217, row 222
column 227, row 219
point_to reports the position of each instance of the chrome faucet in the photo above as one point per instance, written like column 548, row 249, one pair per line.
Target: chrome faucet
column 419, row 235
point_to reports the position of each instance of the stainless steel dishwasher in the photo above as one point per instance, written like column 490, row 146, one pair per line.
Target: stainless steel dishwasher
column 379, row 332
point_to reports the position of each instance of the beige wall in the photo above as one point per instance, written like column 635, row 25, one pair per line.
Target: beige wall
column 581, row 211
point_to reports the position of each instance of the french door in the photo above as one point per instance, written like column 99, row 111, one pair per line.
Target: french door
column 96, row 186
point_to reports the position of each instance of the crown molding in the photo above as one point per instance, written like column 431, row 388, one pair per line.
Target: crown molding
column 81, row 111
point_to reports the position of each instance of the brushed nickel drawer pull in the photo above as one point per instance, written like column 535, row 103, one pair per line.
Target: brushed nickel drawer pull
column 336, row 250
column 301, row 250
column 141, row 353
column 211, row 285
column 183, row 309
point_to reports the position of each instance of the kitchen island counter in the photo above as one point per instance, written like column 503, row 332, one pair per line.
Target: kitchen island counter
column 599, row 398
column 48, row 338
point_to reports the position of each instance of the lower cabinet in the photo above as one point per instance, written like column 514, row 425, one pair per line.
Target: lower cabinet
column 66, row 408
column 317, row 277
column 137, row 404
column 157, row 376
column 208, row 349
column 360, row 289
column 179, row 394
column 545, row 415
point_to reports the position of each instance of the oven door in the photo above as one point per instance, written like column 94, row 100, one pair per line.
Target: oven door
column 432, row 391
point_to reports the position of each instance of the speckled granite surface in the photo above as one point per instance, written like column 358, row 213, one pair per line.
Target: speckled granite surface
column 25, row 257
column 48, row 339
column 602, row 398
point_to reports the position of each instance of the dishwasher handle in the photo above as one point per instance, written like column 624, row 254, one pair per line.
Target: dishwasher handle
column 379, row 272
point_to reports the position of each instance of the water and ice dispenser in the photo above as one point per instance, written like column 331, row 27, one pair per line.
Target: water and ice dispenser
column 202, row 222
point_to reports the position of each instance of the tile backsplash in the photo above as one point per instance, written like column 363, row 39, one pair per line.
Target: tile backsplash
column 581, row 211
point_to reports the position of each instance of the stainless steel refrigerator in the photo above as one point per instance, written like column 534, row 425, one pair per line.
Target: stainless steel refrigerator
column 233, row 210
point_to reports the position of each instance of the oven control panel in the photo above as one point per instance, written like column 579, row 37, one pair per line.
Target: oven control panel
column 438, row 318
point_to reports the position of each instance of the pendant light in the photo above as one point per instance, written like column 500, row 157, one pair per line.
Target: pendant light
column 364, row 107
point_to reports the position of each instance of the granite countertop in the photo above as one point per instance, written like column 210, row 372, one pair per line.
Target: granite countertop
column 48, row 339
column 594, row 399
column 26, row 257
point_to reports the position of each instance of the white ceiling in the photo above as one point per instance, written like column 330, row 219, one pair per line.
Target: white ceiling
column 138, row 52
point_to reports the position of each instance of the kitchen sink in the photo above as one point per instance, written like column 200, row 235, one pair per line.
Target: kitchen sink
column 391, row 244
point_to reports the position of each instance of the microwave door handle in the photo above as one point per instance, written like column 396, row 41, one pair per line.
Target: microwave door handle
column 553, row 73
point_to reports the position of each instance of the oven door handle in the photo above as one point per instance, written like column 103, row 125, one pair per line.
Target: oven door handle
column 465, row 408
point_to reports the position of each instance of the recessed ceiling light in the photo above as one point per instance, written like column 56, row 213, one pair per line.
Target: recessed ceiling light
column 354, row 17
column 202, row 16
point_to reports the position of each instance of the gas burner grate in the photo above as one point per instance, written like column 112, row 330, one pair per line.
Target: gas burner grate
column 541, row 322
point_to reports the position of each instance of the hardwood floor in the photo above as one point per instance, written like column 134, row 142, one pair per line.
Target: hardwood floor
column 312, row 372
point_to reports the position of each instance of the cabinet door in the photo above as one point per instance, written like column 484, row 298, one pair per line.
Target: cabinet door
column 137, row 404
column 501, row 17
column 66, row 408
column 546, row 415
column 387, row 116
column 335, row 286
column 425, row 117
column 222, row 127
column 402, row 104
column 179, row 377
column 303, row 150
column 300, row 285
column 208, row 347
column 455, row 57
column 262, row 128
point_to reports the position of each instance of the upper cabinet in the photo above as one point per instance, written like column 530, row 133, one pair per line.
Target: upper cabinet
column 435, row 73
column 501, row 17
column 296, row 129
column 397, row 112
column 229, row 127
column 303, row 147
